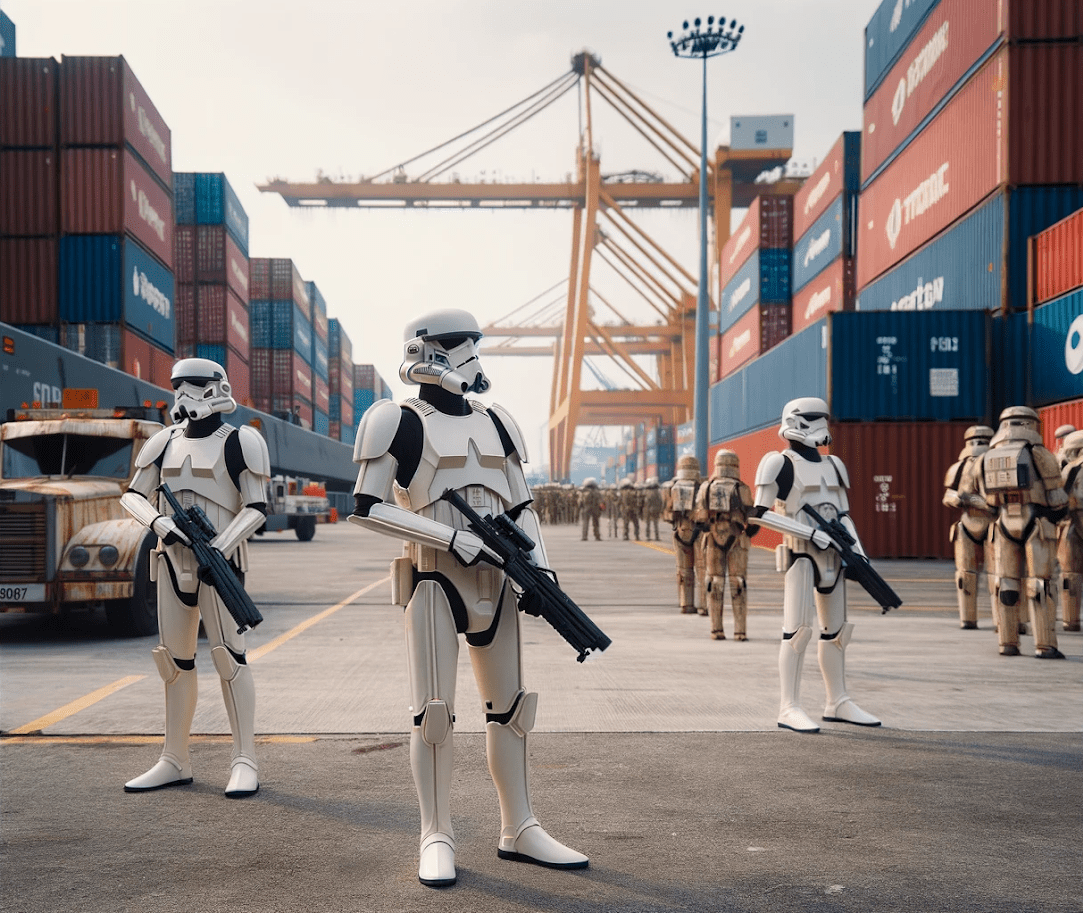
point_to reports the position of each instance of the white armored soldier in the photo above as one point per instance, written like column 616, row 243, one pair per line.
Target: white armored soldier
column 409, row 454
column 1070, row 544
column 723, row 506
column 224, row 471
column 679, row 510
column 815, row 581
column 969, row 533
column 1020, row 481
column 1061, row 436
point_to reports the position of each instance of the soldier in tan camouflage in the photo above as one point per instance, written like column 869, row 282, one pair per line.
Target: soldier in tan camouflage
column 679, row 510
column 590, row 507
column 652, row 507
column 630, row 506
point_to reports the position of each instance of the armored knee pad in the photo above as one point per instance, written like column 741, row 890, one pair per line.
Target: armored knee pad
column 799, row 639
column 226, row 663
column 435, row 722
column 520, row 718
column 168, row 667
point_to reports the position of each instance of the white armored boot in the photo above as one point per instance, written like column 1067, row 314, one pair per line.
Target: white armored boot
column 840, row 707
column 1043, row 617
column 966, row 583
column 522, row 838
column 174, row 768
column 239, row 694
column 791, row 658
column 431, row 760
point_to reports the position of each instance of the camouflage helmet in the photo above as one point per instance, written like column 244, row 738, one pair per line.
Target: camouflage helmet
column 688, row 468
column 727, row 465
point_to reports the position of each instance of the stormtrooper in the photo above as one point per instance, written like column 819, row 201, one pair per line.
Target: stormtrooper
column 224, row 470
column 814, row 574
column 409, row 454
column 1019, row 480
column 679, row 510
column 969, row 533
column 1070, row 545
column 723, row 504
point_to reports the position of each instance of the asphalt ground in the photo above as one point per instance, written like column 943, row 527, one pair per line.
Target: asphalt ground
column 659, row 758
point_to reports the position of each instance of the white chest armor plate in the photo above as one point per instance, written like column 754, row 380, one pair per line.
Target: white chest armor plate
column 195, row 470
column 817, row 484
column 462, row 452
column 683, row 496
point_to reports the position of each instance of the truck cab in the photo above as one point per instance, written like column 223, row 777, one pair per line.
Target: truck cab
column 65, row 541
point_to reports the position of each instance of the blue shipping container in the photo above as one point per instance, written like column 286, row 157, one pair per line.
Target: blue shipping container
column 1056, row 347
column 213, row 352
column 217, row 204
column 337, row 339
column 362, row 399
column 289, row 328
column 1009, row 379
column 148, row 296
column 829, row 238
column 889, row 31
column 348, row 433
column 908, row 367
column 184, row 197
column 319, row 304
column 764, row 278
column 963, row 268
column 320, row 423
column 259, row 324
column 319, row 357
column 7, row 36
column 334, row 409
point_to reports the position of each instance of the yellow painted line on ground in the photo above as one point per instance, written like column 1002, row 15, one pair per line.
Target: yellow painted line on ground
column 75, row 706
column 657, row 548
column 260, row 652
column 144, row 739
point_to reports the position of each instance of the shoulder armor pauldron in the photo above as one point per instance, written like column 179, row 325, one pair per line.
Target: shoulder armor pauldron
column 155, row 446
column 378, row 427
column 254, row 448
column 511, row 427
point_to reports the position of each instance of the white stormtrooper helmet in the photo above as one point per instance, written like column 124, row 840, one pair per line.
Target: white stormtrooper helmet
column 804, row 421
column 688, row 468
column 590, row 482
column 628, row 482
column 1072, row 446
column 727, row 465
column 977, row 439
column 202, row 389
column 1017, row 423
column 442, row 348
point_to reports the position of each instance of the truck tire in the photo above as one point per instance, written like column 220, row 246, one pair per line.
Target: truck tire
column 137, row 616
column 306, row 528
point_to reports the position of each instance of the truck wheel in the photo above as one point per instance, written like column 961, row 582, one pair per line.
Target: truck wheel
column 306, row 528
column 138, row 615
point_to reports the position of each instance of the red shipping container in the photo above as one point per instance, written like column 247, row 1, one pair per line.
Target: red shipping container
column 29, row 274
column 135, row 355
column 831, row 290
column 184, row 309
column 954, row 36
column 768, row 223
column 1058, row 259
column 222, row 318
column 762, row 328
column 364, row 377
column 286, row 282
column 259, row 279
column 821, row 188
column 240, row 378
column 219, row 260
column 28, row 192
column 161, row 368
column 103, row 104
column 184, row 253
column 321, row 397
column 1052, row 417
column 290, row 376
column 259, row 364
column 106, row 191
column 1041, row 20
column 28, row 116
column 346, row 413
column 319, row 324
column 340, row 377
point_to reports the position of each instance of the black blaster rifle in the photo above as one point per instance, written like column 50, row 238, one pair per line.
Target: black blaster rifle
column 213, row 567
column 541, row 593
column 857, row 566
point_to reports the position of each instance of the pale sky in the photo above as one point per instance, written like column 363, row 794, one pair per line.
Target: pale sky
column 269, row 88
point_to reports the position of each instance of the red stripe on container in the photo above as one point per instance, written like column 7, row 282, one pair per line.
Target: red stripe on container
column 28, row 192
column 1058, row 254
column 29, row 274
column 831, row 290
column 28, row 116
column 762, row 328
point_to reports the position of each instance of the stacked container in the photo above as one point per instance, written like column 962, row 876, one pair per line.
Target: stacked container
column 29, row 195
column 321, row 395
column 660, row 453
column 368, row 387
column 754, row 309
column 116, row 285
column 211, row 265
column 281, row 333
column 342, row 426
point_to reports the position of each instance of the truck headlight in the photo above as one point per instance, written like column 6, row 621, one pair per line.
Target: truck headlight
column 78, row 556
column 108, row 555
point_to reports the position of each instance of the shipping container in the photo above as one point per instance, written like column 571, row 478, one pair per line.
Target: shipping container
column 338, row 341
column 106, row 279
column 184, row 309
column 237, row 368
column 1052, row 417
column 321, row 397
column 340, row 376
column 28, row 192
column 102, row 342
column 762, row 328
column 290, row 375
column 364, row 377
column 286, row 282
column 839, row 172
column 28, row 117
column 50, row 333
column 764, row 279
column 319, row 311
column 280, row 325
column 348, row 433
column 363, row 397
column 980, row 262
column 1045, row 20
column 831, row 290
column 139, row 357
column 889, row 31
column 8, row 34
column 103, row 104
column 1058, row 258
column 28, row 281
column 222, row 319
column 830, row 237
column 320, row 423
column 184, row 253
column 220, row 260
column 319, row 358
column 1056, row 350
column 217, row 204
column 768, row 223
column 107, row 191
column 184, row 197
column 259, row 279
column 952, row 43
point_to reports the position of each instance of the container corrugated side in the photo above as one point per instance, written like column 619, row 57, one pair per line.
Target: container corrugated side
column 830, row 237
column 184, row 307
column 958, row 160
column 286, row 282
column 764, row 279
column 1044, row 20
column 338, row 340
column 216, row 203
column 1058, row 258
column 957, row 34
column 28, row 281
column 148, row 296
column 259, row 279
column 768, row 223
column 321, row 396
column 223, row 318
column 762, row 328
column 1056, row 350
column 319, row 359
column 184, row 197
column 888, row 32
column 1052, row 417
column 28, row 116
column 28, row 192
column 319, row 311
column 839, row 172
column 1010, row 359
column 220, row 260
column 831, row 290
column 917, row 367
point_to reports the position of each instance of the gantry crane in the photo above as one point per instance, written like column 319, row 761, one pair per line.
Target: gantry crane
column 602, row 228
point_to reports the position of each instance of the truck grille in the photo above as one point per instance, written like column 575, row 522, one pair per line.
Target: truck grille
column 22, row 542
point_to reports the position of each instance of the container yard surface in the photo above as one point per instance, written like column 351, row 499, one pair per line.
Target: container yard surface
column 659, row 758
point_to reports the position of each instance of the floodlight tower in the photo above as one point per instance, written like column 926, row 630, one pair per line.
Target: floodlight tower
column 697, row 40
